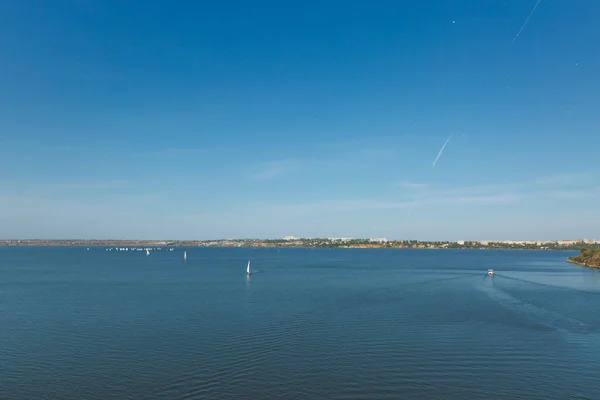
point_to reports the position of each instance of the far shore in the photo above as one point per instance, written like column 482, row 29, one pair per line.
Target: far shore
column 301, row 244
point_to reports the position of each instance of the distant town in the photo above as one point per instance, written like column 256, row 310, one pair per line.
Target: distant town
column 291, row 241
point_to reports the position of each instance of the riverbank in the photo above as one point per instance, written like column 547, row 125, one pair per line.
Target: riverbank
column 587, row 258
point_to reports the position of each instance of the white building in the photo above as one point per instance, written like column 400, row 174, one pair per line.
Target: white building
column 378, row 240
column 568, row 242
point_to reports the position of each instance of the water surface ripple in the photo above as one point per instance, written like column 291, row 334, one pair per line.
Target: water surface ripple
column 309, row 324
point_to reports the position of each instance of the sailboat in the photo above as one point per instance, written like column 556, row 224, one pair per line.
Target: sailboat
column 248, row 269
column 185, row 255
column 147, row 252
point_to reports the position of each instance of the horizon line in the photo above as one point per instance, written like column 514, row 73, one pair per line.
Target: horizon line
column 291, row 239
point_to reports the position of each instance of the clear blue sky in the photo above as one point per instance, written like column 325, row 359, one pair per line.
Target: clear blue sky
column 162, row 119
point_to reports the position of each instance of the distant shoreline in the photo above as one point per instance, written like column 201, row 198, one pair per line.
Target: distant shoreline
column 302, row 243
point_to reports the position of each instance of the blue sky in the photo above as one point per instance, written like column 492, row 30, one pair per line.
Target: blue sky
column 268, row 118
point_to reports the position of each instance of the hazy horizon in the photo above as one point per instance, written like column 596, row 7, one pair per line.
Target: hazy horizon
column 419, row 120
column 282, row 238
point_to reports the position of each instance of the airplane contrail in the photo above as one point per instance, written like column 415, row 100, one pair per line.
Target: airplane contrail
column 526, row 21
column 440, row 152
column 420, row 195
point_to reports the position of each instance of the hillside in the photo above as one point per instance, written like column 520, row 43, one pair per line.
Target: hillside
column 587, row 258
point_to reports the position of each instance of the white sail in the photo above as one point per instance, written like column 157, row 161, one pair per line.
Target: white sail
column 248, row 268
column 147, row 252
column 185, row 255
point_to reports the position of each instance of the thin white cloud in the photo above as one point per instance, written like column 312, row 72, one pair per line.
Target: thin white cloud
column 565, row 178
column 590, row 193
column 271, row 170
column 490, row 199
column 150, row 215
column 410, row 185
column 330, row 206
column 379, row 153
column 526, row 187
column 482, row 195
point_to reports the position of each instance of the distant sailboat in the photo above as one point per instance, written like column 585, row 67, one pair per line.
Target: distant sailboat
column 248, row 269
column 147, row 252
column 185, row 255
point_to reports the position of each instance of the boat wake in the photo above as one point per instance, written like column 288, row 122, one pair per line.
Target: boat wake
column 548, row 285
column 539, row 315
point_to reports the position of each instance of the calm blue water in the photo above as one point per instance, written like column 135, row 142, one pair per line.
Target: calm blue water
column 309, row 324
